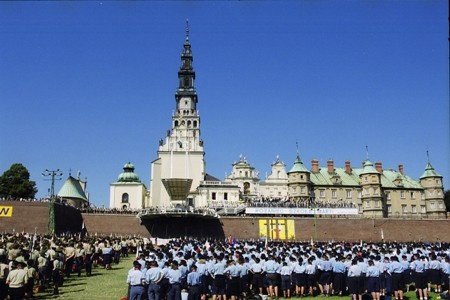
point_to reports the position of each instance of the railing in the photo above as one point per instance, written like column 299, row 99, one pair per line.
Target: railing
column 205, row 212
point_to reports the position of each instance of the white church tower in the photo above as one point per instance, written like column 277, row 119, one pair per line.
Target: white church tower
column 180, row 166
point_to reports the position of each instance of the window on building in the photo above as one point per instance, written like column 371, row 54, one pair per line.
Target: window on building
column 413, row 195
column 322, row 193
column 422, row 195
column 437, row 181
column 359, row 194
column 423, row 209
column 388, row 195
column 225, row 196
column 367, row 204
column 366, row 178
column 413, row 209
column 213, row 196
column 301, row 177
column 404, row 210
column 432, row 205
column 360, row 208
column 333, row 194
column 125, row 198
column 302, row 190
column 375, row 191
column 377, row 203
column 402, row 194
column 349, row 194
column 389, row 209
column 441, row 204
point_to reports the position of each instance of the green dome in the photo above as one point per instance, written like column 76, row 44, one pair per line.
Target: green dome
column 128, row 174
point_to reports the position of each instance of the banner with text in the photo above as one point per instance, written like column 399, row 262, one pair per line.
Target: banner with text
column 290, row 211
column 6, row 211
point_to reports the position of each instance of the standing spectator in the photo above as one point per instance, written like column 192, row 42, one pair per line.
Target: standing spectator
column 174, row 276
column 299, row 276
column 396, row 271
column 17, row 279
column 419, row 266
column 339, row 272
column 286, row 279
column 4, row 270
column 69, row 252
column 193, row 282
column 154, row 276
column 32, row 275
column 355, row 283
column 373, row 280
column 135, row 281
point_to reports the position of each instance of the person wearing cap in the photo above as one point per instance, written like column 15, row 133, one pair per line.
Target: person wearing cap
column 17, row 279
column 136, row 280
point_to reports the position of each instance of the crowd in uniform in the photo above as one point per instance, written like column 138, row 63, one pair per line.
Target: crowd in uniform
column 241, row 269
column 31, row 263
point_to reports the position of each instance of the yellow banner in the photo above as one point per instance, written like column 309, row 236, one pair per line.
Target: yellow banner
column 277, row 229
column 6, row 211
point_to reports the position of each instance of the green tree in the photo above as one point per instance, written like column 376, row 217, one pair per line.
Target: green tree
column 447, row 199
column 16, row 183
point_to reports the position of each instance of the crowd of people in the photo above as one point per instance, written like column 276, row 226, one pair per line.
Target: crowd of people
column 242, row 269
column 31, row 263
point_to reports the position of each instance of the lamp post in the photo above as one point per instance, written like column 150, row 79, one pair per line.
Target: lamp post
column 55, row 175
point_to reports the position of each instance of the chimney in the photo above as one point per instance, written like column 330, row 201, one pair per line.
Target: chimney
column 379, row 167
column 315, row 166
column 330, row 165
column 400, row 168
column 348, row 168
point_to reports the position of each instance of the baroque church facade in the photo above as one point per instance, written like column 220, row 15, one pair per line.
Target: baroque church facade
column 179, row 178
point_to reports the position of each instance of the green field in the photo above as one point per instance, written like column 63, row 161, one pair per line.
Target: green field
column 111, row 284
column 102, row 284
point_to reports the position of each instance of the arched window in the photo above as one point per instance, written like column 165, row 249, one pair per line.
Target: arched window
column 195, row 124
column 125, row 198
column 176, row 123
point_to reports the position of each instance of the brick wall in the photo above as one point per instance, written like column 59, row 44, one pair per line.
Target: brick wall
column 31, row 216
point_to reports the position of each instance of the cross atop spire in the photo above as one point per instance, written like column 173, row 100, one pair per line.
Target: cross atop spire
column 187, row 30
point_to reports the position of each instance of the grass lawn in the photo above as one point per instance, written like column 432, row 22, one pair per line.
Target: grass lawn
column 111, row 284
column 102, row 284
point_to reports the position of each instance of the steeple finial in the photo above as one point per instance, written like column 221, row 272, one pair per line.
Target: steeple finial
column 428, row 157
column 187, row 30
column 296, row 144
column 367, row 152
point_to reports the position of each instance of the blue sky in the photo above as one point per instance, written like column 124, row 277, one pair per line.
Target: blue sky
column 89, row 86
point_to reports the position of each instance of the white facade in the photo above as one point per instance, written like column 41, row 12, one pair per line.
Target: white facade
column 180, row 154
column 128, row 192
column 127, row 196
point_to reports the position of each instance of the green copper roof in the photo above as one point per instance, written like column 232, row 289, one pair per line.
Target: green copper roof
column 128, row 174
column 352, row 179
column 72, row 189
column 298, row 166
column 429, row 172
column 368, row 168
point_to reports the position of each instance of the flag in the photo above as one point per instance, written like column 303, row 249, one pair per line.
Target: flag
column 83, row 231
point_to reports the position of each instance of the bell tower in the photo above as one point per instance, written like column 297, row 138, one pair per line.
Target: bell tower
column 180, row 166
